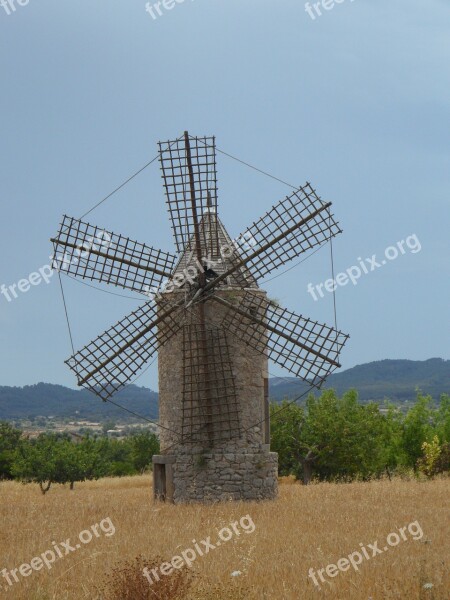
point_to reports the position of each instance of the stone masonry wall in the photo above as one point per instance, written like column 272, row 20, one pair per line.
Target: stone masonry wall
column 241, row 475
column 241, row 469
column 250, row 367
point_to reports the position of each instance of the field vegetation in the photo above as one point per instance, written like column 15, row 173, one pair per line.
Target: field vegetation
column 307, row 526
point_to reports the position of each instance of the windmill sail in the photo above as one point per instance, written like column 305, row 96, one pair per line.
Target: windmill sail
column 306, row 348
column 89, row 252
column 112, row 360
column 189, row 172
column 296, row 224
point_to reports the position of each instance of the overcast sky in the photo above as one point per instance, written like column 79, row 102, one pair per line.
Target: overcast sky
column 355, row 101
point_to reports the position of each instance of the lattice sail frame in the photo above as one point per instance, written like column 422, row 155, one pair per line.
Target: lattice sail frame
column 302, row 206
column 177, row 184
column 108, row 363
column 209, row 401
column 304, row 347
column 86, row 251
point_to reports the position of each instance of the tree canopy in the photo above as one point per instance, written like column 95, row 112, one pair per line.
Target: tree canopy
column 334, row 437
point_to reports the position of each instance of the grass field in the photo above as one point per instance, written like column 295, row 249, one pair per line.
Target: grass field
column 306, row 527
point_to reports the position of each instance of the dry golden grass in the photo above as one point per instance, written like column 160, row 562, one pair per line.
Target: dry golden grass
column 306, row 527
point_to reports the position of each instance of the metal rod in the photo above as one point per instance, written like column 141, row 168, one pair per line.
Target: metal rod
column 274, row 330
column 114, row 258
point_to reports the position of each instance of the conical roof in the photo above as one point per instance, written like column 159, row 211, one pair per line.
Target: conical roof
column 219, row 252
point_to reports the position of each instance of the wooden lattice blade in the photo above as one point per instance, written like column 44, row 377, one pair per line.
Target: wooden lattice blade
column 210, row 405
column 306, row 348
column 182, row 184
column 113, row 359
column 89, row 252
column 293, row 226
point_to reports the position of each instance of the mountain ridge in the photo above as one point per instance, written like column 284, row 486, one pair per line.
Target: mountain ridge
column 394, row 379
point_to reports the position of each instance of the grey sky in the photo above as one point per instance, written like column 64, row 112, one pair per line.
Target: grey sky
column 356, row 102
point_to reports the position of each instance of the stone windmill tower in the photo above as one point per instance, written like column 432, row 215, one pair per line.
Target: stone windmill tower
column 214, row 329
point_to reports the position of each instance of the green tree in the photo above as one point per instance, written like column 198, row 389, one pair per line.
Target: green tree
column 94, row 457
column 35, row 462
column 118, row 456
column 82, row 461
column 435, row 456
column 344, row 436
column 144, row 446
column 443, row 462
column 418, row 427
column 9, row 442
column 442, row 418
column 55, row 459
column 392, row 453
column 428, row 463
column 286, row 423
column 334, row 437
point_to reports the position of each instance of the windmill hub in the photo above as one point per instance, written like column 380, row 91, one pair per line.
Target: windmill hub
column 214, row 329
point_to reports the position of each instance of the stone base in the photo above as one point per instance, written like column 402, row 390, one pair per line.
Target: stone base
column 213, row 476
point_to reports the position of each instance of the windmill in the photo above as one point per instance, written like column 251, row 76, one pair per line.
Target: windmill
column 214, row 329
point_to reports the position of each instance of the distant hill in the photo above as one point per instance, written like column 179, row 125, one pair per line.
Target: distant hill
column 393, row 379
column 45, row 399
